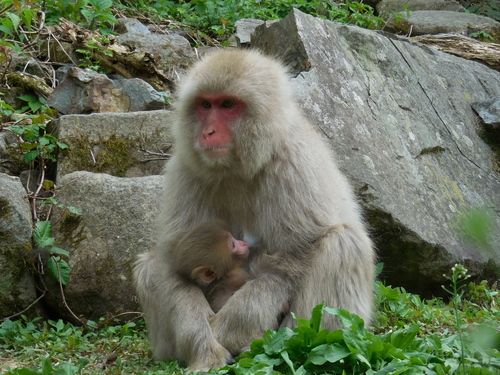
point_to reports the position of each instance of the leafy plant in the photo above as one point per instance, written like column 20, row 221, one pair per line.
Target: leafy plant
column 217, row 17
column 488, row 8
column 308, row 349
column 57, row 265
column 21, row 17
column 458, row 276
column 407, row 348
column 398, row 16
column 59, row 348
column 88, row 13
column 6, row 111
column 41, row 147
column 99, row 12
column 481, row 35
column 36, row 142
column 94, row 48
column 12, row 24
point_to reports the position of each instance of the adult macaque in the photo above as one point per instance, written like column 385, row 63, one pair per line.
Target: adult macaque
column 245, row 154
column 210, row 256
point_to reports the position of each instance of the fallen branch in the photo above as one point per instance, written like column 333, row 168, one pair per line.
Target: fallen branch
column 33, row 82
column 463, row 46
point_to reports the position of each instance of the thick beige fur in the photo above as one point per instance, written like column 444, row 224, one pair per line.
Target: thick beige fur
column 280, row 183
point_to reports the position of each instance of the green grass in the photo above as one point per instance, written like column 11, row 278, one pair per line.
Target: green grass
column 409, row 336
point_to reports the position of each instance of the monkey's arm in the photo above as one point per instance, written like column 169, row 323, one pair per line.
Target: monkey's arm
column 255, row 307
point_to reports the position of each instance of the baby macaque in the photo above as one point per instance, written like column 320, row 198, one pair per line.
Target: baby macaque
column 211, row 257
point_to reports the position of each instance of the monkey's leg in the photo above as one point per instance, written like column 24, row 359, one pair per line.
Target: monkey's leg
column 251, row 311
column 177, row 317
column 342, row 276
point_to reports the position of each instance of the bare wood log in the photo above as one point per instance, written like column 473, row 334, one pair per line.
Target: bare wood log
column 463, row 46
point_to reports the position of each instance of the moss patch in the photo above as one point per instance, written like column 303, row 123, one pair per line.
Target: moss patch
column 71, row 230
column 5, row 213
column 4, row 208
column 114, row 155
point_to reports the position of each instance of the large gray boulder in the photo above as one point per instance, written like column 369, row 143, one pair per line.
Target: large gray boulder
column 424, row 22
column 11, row 159
column 122, row 144
column 86, row 91
column 172, row 52
column 118, row 222
column 17, row 289
column 388, row 8
column 399, row 117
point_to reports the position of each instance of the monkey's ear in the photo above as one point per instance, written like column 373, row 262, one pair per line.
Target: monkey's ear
column 205, row 274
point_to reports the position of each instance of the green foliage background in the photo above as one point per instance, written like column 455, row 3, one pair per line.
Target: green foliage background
column 409, row 336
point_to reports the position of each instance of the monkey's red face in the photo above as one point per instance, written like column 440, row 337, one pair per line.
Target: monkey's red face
column 217, row 114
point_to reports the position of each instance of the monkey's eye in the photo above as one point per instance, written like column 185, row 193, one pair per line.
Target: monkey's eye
column 227, row 103
column 206, row 104
column 233, row 244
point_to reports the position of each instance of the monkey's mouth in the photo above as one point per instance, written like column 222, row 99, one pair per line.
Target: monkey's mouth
column 216, row 152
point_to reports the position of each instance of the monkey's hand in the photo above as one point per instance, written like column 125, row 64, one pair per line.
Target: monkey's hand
column 250, row 312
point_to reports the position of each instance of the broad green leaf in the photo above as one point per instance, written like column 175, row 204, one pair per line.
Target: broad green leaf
column 35, row 106
column 26, row 146
column 287, row 360
column 58, row 250
column 327, row 353
column 32, row 130
column 59, row 325
column 44, row 141
column 347, row 319
column 47, row 368
column 404, row 338
column 74, row 210
column 16, row 129
column 88, row 14
column 16, row 20
column 274, row 341
column 51, row 200
column 110, row 18
column 65, row 271
column 317, row 316
column 27, row 16
column 377, row 344
column 59, row 269
column 28, row 98
column 357, row 343
column 101, row 4
column 379, row 267
column 269, row 360
column 7, row 30
column 50, row 138
column 362, row 359
column 43, row 234
column 30, row 156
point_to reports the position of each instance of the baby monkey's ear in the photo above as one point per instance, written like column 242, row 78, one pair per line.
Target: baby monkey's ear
column 205, row 274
